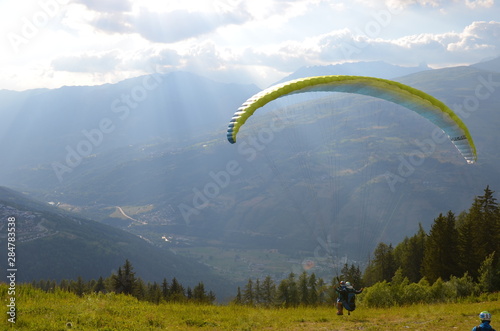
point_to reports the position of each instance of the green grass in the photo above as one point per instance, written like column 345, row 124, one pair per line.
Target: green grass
column 38, row 310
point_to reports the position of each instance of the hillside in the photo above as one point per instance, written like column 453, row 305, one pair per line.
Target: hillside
column 317, row 190
column 52, row 244
column 45, row 126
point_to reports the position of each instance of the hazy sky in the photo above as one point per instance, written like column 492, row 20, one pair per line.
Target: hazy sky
column 50, row 43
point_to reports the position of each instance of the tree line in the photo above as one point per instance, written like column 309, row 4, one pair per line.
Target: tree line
column 295, row 290
column 458, row 258
column 126, row 282
column 456, row 246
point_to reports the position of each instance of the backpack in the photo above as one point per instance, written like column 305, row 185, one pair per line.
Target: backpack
column 350, row 302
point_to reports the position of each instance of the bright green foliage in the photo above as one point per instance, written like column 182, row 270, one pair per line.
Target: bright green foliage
column 400, row 291
column 457, row 250
column 379, row 295
column 487, row 274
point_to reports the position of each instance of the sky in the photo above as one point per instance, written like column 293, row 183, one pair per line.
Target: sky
column 52, row 43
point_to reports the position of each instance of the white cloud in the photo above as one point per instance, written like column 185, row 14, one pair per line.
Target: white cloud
column 97, row 63
column 178, row 25
column 478, row 36
column 108, row 6
column 479, row 3
column 439, row 49
column 93, row 42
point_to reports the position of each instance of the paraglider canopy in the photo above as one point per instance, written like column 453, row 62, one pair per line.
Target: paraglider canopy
column 418, row 101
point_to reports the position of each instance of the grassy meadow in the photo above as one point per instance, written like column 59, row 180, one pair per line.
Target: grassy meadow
column 37, row 310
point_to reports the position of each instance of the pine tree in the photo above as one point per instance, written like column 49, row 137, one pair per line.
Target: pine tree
column 382, row 267
column 268, row 291
column 293, row 290
column 303, row 289
column 79, row 287
column 487, row 274
column 248, row 294
column 154, row 294
column 165, row 293
column 313, row 290
column 239, row 299
column 125, row 281
column 489, row 225
column 176, row 291
column 65, row 285
column 199, row 293
column 409, row 255
column 139, row 290
column 440, row 259
column 345, row 273
column 99, row 286
column 352, row 273
column 478, row 233
column 283, row 294
column 466, row 243
column 322, row 291
column 257, row 292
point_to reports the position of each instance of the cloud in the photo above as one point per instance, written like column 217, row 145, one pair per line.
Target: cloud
column 101, row 63
column 476, row 41
column 107, row 6
column 113, row 23
column 163, row 27
column 178, row 25
column 478, row 36
column 344, row 45
column 473, row 4
column 479, row 3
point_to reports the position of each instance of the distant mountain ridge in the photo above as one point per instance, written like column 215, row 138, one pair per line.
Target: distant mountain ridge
column 489, row 65
column 44, row 126
column 379, row 69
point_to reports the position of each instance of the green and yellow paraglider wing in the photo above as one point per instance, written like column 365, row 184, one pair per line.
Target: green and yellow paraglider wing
column 411, row 98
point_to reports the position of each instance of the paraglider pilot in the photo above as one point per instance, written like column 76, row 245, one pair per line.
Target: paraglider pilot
column 346, row 297
column 485, row 318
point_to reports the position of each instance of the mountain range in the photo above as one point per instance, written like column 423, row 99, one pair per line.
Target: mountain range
column 149, row 156
column 52, row 244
